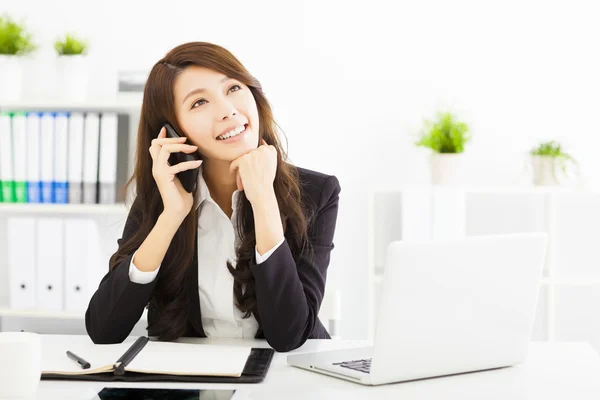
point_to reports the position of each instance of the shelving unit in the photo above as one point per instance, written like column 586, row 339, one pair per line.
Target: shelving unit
column 14, row 209
column 108, row 218
column 126, row 103
column 47, row 314
column 570, row 217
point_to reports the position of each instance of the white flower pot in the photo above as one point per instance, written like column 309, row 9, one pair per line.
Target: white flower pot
column 72, row 74
column 446, row 168
column 10, row 78
column 545, row 171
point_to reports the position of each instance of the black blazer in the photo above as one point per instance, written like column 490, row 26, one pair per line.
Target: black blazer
column 289, row 291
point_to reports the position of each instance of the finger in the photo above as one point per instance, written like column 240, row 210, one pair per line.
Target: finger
column 184, row 166
column 153, row 152
column 163, row 141
column 175, row 147
column 166, row 150
column 234, row 166
column 162, row 133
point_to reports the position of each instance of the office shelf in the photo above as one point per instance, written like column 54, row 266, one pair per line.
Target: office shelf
column 378, row 279
column 121, row 102
column 47, row 314
column 13, row 209
column 569, row 215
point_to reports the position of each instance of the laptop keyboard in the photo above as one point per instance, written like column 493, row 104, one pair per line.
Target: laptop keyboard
column 357, row 365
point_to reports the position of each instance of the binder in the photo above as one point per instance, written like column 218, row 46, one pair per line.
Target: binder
column 21, row 262
column 33, row 158
column 47, row 157
column 60, row 185
column 91, row 142
column 108, row 158
column 7, row 178
column 49, row 265
column 153, row 361
column 75, row 159
column 83, row 262
column 19, row 135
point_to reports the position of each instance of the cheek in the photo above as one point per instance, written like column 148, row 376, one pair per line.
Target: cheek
column 198, row 129
column 252, row 112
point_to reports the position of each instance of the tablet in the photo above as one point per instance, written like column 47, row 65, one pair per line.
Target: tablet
column 121, row 393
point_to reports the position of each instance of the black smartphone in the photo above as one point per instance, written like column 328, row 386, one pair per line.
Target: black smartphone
column 113, row 393
column 189, row 177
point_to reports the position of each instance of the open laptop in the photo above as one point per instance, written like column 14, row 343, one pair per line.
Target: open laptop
column 447, row 307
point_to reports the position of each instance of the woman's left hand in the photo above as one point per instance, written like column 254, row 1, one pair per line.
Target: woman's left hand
column 256, row 172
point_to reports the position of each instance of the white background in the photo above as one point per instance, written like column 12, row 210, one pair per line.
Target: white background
column 351, row 82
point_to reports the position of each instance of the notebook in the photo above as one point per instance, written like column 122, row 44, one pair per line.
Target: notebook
column 144, row 360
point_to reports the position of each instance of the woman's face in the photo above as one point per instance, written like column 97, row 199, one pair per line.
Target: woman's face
column 217, row 113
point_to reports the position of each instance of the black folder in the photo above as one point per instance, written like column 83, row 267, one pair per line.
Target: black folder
column 255, row 370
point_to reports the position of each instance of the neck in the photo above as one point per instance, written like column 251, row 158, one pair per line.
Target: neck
column 221, row 183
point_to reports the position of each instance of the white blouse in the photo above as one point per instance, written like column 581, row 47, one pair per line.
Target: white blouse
column 217, row 238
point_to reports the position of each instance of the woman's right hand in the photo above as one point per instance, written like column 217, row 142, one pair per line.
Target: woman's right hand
column 177, row 201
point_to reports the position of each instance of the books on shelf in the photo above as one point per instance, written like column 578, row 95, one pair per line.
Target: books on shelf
column 63, row 157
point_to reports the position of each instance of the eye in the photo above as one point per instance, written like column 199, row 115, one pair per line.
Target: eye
column 198, row 103
column 235, row 86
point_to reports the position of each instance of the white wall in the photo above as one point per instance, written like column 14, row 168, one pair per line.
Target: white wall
column 351, row 82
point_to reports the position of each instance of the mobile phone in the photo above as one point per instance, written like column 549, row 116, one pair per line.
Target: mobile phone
column 113, row 393
column 189, row 177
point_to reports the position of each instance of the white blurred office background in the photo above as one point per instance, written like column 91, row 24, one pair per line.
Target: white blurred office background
column 351, row 82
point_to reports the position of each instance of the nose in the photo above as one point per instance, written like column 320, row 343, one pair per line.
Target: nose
column 226, row 109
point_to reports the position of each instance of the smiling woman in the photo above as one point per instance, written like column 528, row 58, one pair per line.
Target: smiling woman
column 246, row 253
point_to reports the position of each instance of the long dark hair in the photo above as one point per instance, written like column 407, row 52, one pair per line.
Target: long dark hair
column 170, row 300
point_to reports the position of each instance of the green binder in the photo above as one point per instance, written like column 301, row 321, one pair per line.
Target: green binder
column 7, row 184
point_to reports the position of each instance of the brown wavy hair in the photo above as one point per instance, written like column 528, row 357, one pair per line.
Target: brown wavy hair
column 170, row 300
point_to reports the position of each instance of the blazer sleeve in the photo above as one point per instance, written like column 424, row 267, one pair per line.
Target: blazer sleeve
column 118, row 303
column 289, row 292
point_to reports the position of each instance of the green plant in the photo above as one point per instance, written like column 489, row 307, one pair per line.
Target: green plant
column 70, row 46
column 14, row 38
column 446, row 135
column 553, row 149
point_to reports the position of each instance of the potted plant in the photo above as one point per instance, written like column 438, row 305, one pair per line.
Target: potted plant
column 546, row 159
column 72, row 68
column 446, row 137
column 15, row 42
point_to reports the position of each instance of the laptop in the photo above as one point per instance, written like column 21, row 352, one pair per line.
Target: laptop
column 447, row 307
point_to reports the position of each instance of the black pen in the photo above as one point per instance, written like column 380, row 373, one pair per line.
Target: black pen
column 84, row 364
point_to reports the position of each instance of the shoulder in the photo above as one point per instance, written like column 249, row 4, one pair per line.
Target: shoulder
column 320, row 188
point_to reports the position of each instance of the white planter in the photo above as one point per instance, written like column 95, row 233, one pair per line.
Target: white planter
column 10, row 78
column 446, row 168
column 545, row 171
column 72, row 77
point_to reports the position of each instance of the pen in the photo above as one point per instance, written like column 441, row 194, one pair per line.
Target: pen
column 84, row 364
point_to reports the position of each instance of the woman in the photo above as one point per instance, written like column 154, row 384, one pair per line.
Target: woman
column 246, row 253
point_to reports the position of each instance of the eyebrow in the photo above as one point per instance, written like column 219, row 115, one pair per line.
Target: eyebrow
column 200, row 90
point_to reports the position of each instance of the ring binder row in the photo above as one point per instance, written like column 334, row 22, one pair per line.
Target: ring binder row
column 63, row 157
column 56, row 263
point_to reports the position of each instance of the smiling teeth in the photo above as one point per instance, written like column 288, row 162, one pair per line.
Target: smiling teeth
column 232, row 133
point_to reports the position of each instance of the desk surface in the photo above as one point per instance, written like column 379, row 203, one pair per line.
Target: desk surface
column 552, row 371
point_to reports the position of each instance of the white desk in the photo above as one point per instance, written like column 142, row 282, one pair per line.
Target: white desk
column 552, row 371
